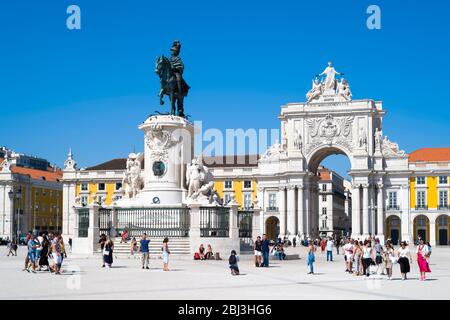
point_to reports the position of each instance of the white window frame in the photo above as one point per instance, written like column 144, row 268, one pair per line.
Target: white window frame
column 245, row 197
column 439, row 180
column 440, row 204
column 424, row 198
column 424, row 181
column 84, row 184
column 115, row 186
column 392, row 204
column 247, row 188
column 272, row 200
column 225, row 185
column 98, row 186
column 84, row 203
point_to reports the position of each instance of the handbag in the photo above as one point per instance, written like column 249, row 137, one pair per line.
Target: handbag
column 105, row 252
column 393, row 259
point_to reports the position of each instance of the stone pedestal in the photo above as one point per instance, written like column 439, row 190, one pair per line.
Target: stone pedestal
column 168, row 147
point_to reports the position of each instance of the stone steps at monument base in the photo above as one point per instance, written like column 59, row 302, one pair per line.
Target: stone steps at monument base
column 177, row 246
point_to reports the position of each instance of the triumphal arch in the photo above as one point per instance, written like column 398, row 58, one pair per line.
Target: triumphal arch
column 331, row 122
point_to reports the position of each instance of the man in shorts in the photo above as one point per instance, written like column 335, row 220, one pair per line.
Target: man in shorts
column 32, row 247
column 348, row 251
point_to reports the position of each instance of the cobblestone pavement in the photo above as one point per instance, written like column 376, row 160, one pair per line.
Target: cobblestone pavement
column 85, row 279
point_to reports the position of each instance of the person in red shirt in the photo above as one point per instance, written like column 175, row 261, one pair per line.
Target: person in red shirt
column 322, row 245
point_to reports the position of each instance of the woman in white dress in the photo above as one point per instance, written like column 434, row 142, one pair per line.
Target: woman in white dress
column 165, row 254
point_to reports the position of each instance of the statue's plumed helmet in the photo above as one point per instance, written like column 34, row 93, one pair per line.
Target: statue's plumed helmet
column 176, row 46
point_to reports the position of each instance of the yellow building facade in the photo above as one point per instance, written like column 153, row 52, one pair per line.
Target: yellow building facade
column 429, row 194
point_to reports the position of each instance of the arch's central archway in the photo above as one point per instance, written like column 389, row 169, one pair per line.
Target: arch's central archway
column 330, row 212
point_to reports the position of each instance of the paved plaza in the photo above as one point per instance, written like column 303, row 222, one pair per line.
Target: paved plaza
column 84, row 279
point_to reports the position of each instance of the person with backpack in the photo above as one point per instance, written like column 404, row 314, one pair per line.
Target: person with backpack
column 233, row 262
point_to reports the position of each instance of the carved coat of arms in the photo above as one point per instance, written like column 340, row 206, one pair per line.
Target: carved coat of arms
column 329, row 130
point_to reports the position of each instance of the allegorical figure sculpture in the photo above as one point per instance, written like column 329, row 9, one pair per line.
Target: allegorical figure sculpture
column 132, row 179
column 343, row 91
column 330, row 80
column 200, row 183
column 315, row 91
column 378, row 139
column 170, row 72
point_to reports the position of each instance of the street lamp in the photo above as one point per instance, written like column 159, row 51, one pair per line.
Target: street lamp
column 36, row 207
column 11, row 226
column 18, row 197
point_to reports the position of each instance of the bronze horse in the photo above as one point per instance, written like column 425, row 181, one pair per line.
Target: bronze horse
column 170, row 87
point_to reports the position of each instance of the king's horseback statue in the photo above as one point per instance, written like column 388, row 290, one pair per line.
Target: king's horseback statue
column 170, row 71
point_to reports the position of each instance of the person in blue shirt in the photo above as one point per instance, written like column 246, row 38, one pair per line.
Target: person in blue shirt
column 265, row 249
column 145, row 251
column 32, row 248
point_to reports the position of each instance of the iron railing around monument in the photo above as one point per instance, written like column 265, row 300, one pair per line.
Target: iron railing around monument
column 105, row 220
column 245, row 223
column 215, row 222
column 155, row 222
column 83, row 222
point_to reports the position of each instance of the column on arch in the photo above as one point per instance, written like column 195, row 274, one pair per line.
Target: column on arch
column 356, row 212
column 380, row 212
column 307, row 208
column 365, row 210
column 300, row 212
column 282, row 208
column 291, row 212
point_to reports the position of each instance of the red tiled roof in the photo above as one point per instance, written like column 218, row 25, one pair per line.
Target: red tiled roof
column 38, row 174
column 114, row 164
column 430, row 154
column 231, row 161
column 324, row 174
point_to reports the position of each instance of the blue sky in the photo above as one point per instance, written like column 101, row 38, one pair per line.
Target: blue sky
column 90, row 88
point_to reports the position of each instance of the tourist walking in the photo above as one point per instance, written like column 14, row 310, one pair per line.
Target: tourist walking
column 145, row 258
column 294, row 242
column 265, row 249
column 422, row 256
column 257, row 247
column 329, row 247
column 134, row 246
column 57, row 254
column 378, row 248
column 165, row 254
column 337, row 244
column 10, row 248
column 322, row 245
column 348, row 251
column 404, row 259
column 102, row 242
column 357, row 258
column 32, row 247
column 311, row 258
column 367, row 257
column 233, row 263
column 389, row 259
column 108, row 252
column 39, row 239
column 43, row 261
